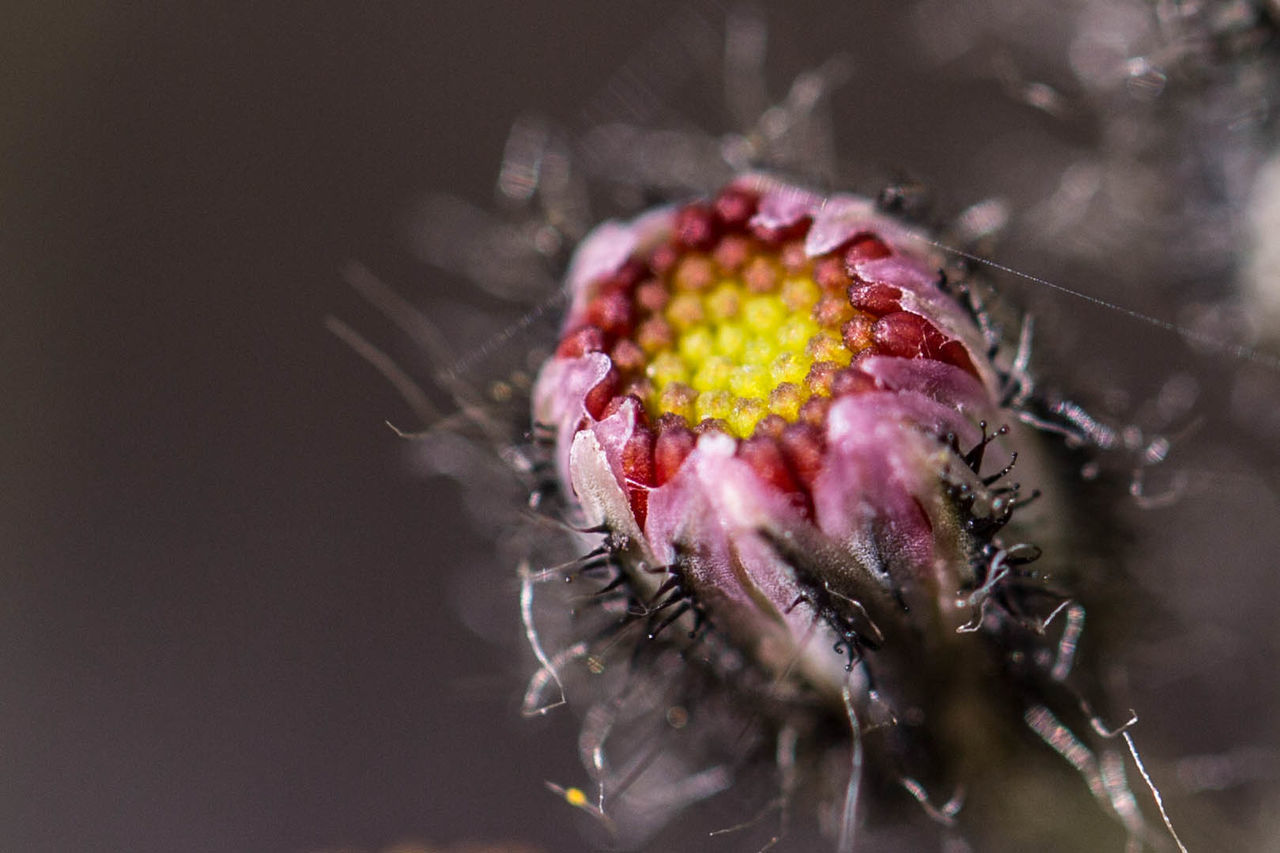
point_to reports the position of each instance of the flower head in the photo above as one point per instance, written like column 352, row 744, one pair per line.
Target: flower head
column 766, row 394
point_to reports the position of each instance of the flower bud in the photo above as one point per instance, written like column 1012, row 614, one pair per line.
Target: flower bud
column 787, row 430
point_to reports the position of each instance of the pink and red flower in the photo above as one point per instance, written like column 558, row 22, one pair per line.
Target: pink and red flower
column 767, row 391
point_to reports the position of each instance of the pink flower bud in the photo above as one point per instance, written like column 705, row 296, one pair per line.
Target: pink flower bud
column 792, row 439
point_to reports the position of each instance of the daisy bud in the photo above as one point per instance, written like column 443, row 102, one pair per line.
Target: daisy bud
column 798, row 456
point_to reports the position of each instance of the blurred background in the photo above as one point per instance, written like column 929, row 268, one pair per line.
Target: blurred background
column 234, row 618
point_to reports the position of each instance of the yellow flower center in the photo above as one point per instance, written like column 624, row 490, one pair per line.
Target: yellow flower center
column 744, row 349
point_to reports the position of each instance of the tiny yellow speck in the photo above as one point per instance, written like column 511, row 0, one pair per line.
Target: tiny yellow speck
column 763, row 313
column 785, row 400
column 654, row 335
column 697, row 344
column 759, row 350
column 826, row 346
column 714, row 374
column 833, row 312
column 730, row 339
column 750, row 380
column 795, row 332
column 745, row 415
column 818, row 382
column 723, row 302
column 789, row 367
column 685, row 311
column 678, row 399
column 667, row 367
column 760, row 274
column 714, row 404
column 575, row 797
column 695, row 272
column 800, row 294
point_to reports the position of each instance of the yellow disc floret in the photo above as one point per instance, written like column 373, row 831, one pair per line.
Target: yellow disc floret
column 667, row 367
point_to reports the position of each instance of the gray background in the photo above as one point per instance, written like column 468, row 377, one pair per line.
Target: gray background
column 229, row 612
